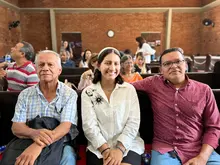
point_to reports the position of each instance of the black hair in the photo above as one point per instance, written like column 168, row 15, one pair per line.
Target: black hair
column 140, row 41
column 169, row 51
column 84, row 55
column 68, row 46
column 102, row 54
column 93, row 59
column 127, row 51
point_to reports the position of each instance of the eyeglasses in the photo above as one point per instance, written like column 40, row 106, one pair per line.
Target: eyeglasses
column 128, row 63
column 169, row 64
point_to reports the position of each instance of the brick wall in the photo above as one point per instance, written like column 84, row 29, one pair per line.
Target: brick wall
column 14, row 2
column 187, row 29
column 210, row 36
column 107, row 4
column 8, row 38
column 185, row 32
column 93, row 28
column 36, row 29
column 205, row 2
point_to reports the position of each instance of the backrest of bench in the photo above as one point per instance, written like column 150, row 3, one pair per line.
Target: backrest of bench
column 9, row 99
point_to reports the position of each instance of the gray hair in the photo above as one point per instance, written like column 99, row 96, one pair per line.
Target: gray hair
column 49, row 52
column 67, row 53
column 123, row 60
column 28, row 50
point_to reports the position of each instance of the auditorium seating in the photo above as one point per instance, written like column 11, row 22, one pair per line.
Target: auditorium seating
column 8, row 101
column 209, row 78
column 71, row 78
column 214, row 59
column 201, row 63
column 73, row 71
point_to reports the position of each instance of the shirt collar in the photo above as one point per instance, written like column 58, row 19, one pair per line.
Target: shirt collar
column 57, row 90
column 24, row 65
column 97, row 87
column 188, row 80
column 116, row 86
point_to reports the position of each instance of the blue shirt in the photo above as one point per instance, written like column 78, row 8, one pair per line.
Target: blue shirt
column 31, row 103
column 68, row 64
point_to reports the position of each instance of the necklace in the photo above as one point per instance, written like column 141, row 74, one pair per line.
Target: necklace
column 108, row 90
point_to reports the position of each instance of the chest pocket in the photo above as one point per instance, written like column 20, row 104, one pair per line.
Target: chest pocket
column 194, row 106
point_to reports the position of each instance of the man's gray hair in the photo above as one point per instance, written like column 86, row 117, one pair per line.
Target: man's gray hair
column 28, row 50
column 49, row 52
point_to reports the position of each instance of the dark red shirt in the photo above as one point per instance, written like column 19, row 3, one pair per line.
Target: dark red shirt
column 184, row 118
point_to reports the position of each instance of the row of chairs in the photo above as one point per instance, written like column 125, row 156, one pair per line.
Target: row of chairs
column 195, row 63
column 202, row 63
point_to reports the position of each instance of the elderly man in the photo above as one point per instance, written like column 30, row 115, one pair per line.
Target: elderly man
column 65, row 61
column 50, row 98
column 186, row 117
column 21, row 73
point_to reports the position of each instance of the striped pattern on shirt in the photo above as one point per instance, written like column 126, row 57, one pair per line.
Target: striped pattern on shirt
column 19, row 78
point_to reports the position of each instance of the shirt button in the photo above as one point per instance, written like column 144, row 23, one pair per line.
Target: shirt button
column 177, row 127
column 177, row 115
column 175, row 105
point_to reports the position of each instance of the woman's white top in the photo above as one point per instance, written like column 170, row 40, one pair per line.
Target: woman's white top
column 83, row 64
column 111, row 121
column 146, row 48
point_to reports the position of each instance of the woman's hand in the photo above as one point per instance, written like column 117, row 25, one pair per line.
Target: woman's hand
column 87, row 74
column 115, row 157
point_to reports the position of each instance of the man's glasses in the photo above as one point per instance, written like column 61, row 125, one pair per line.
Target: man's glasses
column 169, row 64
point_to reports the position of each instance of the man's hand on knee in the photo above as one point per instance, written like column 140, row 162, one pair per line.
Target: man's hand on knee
column 198, row 160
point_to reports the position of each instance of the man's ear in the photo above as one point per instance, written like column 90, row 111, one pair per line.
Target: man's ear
column 22, row 54
column 60, row 71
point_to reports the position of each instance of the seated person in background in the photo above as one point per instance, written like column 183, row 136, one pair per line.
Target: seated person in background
column 129, row 52
column 21, row 73
column 50, row 98
column 67, row 47
column 140, row 66
column 87, row 77
column 186, row 117
column 127, row 70
column 65, row 62
column 85, row 59
column 111, row 115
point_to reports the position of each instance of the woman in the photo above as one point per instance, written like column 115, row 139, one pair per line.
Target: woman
column 145, row 48
column 111, row 115
column 87, row 76
column 140, row 65
column 68, row 48
column 127, row 70
column 85, row 60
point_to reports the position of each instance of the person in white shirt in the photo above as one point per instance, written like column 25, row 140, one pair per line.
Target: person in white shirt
column 87, row 77
column 85, row 59
column 111, row 115
column 145, row 48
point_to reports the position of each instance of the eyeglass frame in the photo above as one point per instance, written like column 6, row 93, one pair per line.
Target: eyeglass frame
column 128, row 63
column 170, row 63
